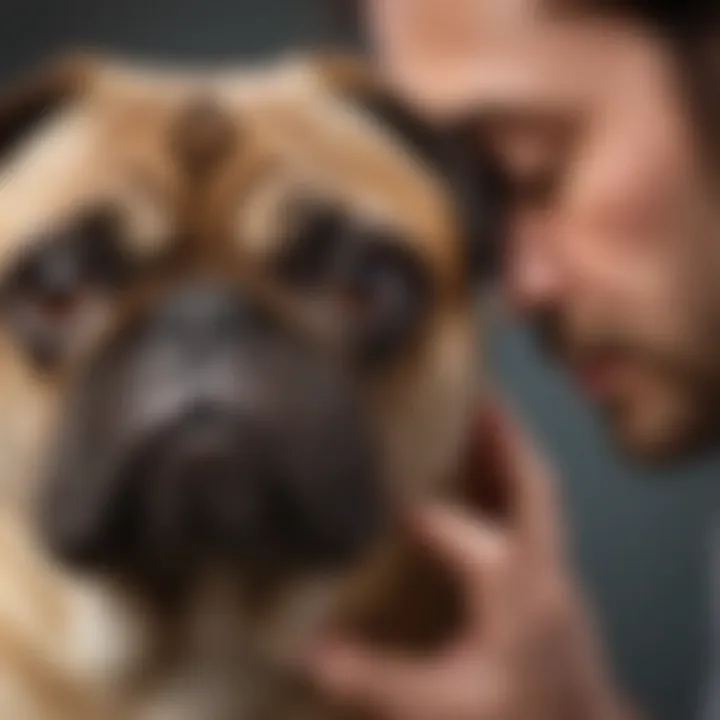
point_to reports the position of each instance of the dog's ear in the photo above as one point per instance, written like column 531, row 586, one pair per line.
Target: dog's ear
column 452, row 151
column 476, row 185
column 26, row 101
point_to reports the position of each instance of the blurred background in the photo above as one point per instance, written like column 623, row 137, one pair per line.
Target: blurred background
column 643, row 548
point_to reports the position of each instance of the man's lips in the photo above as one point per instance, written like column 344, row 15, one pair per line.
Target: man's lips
column 598, row 374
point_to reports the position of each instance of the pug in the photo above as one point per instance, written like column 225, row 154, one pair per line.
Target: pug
column 237, row 339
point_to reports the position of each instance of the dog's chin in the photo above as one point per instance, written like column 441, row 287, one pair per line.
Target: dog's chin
column 305, row 614
column 279, row 620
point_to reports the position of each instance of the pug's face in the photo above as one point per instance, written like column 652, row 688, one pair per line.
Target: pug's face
column 236, row 320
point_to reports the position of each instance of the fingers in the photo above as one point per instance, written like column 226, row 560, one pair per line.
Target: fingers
column 477, row 552
column 480, row 548
column 507, row 460
column 485, row 484
column 535, row 507
column 352, row 675
column 398, row 688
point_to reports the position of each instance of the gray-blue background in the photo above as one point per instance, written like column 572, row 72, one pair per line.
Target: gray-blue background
column 641, row 546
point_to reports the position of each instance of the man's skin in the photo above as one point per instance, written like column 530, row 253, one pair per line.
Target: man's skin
column 614, row 253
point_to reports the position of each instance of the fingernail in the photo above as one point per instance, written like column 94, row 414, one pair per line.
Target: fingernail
column 333, row 668
column 420, row 516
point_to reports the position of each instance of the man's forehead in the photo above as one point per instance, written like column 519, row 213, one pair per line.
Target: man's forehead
column 540, row 64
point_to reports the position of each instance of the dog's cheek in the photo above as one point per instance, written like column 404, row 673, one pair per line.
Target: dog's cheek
column 30, row 408
column 68, row 518
column 76, row 493
column 423, row 415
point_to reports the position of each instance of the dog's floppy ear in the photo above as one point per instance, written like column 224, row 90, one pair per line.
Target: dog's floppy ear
column 473, row 177
column 25, row 102
column 454, row 152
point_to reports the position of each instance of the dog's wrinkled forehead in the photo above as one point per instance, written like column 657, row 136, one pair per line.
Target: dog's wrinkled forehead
column 222, row 159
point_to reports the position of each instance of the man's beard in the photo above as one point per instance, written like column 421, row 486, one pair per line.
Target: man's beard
column 688, row 369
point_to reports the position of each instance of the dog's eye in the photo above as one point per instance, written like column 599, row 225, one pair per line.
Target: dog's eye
column 387, row 291
column 53, row 293
column 313, row 251
column 380, row 289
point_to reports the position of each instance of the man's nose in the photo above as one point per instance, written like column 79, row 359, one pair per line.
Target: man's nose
column 533, row 274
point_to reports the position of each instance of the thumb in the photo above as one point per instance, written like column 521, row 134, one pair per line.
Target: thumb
column 399, row 688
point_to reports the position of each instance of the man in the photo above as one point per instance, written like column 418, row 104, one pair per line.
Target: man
column 606, row 115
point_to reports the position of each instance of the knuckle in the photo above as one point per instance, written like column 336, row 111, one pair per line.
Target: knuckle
column 496, row 699
column 552, row 607
column 497, row 552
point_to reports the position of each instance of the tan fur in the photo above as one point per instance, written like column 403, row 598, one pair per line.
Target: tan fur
column 73, row 647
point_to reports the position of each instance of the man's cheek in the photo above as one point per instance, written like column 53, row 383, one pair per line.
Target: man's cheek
column 660, row 410
column 647, row 415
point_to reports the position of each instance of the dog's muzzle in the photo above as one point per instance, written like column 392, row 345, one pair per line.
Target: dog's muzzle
column 209, row 432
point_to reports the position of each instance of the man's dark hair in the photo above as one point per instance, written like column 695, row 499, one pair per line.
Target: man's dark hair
column 672, row 15
column 692, row 29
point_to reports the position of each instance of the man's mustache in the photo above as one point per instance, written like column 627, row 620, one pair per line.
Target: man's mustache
column 574, row 340
column 566, row 339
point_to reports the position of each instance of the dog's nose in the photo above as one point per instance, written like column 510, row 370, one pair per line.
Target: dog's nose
column 201, row 482
column 213, row 482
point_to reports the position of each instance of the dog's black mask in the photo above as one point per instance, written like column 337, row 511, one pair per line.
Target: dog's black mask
column 208, row 431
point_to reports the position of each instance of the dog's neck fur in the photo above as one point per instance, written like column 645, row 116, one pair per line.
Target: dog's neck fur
column 92, row 636
column 111, row 655
column 120, row 658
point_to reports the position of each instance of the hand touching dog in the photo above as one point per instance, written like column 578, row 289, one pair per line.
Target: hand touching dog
column 527, row 649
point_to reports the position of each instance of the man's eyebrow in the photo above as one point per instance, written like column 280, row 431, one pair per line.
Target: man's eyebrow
column 553, row 125
column 521, row 114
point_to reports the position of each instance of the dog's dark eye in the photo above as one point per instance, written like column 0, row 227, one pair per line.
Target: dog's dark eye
column 381, row 288
column 313, row 251
column 67, row 263
column 388, row 293
column 59, row 283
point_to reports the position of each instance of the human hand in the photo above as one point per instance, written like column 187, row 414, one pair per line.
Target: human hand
column 527, row 649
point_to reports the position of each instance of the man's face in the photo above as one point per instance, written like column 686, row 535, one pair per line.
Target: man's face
column 614, row 252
